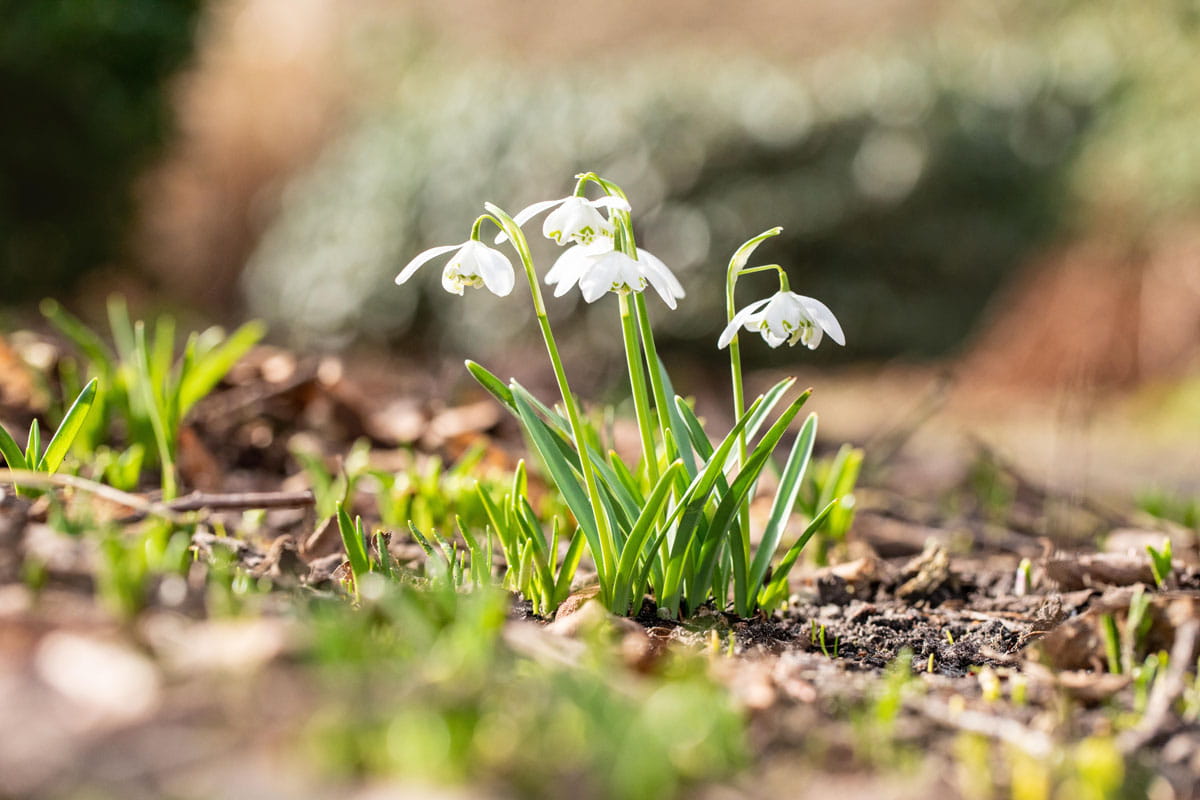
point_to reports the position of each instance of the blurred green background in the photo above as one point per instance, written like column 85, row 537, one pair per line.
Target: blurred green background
column 922, row 157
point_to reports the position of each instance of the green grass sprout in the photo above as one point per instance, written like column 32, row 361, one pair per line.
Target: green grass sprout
column 34, row 459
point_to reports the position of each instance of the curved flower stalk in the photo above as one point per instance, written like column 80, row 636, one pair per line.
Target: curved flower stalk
column 599, row 268
column 786, row 317
column 474, row 264
column 783, row 317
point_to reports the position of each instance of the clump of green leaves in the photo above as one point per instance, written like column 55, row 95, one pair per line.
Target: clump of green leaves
column 535, row 567
column 429, row 492
column 34, row 459
column 421, row 686
column 1160, row 562
column 1175, row 508
column 142, row 385
column 680, row 549
column 363, row 558
column 829, row 480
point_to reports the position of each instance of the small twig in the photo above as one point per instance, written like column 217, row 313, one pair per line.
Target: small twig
column 236, row 501
column 204, row 501
column 1009, row 731
column 53, row 480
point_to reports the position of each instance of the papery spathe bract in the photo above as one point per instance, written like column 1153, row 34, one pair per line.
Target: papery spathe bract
column 474, row 264
column 599, row 268
column 786, row 317
column 574, row 219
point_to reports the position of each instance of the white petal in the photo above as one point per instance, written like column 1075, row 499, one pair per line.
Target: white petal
column 658, row 281
column 823, row 317
column 573, row 217
column 527, row 213
column 496, row 271
column 568, row 268
column 773, row 339
column 653, row 264
column 611, row 201
column 782, row 315
column 601, row 274
column 738, row 319
column 449, row 283
column 411, row 267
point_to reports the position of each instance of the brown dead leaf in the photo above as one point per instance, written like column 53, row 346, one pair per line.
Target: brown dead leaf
column 454, row 422
column 17, row 387
column 1079, row 642
column 197, row 466
column 1073, row 571
column 324, row 541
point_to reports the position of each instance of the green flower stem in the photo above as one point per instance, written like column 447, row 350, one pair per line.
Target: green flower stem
column 656, row 382
column 739, row 409
column 607, row 560
column 637, row 384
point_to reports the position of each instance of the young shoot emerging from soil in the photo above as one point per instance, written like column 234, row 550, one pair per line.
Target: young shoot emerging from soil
column 674, row 525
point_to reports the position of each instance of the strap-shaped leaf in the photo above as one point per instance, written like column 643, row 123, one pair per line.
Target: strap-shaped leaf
column 73, row 420
column 699, row 438
column 211, row 367
column 499, row 524
column 11, row 451
column 609, row 481
column 33, row 446
column 122, row 328
column 678, row 439
column 564, row 477
column 570, row 563
column 492, row 384
column 632, row 550
column 770, row 398
column 691, row 505
column 779, row 576
column 731, row 503
column 785, row 500
column 93, row 349
column 385, row 556
column 356, row 549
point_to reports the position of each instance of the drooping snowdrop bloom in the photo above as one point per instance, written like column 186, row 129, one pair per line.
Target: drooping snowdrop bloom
column 598, row 268
column 786, row 317
column 474, row 264
column 575, row 219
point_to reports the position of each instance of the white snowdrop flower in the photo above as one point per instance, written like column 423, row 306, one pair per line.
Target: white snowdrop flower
column 786, row 317
column 474, row 264
column 598, row 268
column 574, row 219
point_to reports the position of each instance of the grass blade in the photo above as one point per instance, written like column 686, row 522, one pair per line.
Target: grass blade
column 33, row 446
column 210, row 368
column 76, row 415
column 356, row 549
column 11, row 450
column 93, row 349
column 492, row 384
column 623, row 582
column 565, row 478
column 785, row 501
column 766, row 598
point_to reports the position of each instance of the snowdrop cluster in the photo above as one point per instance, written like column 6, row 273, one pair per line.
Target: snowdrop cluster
column 661, row 524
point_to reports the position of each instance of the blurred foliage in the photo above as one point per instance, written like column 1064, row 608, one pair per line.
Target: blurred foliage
column 82, row 88
column 910, row 181
column 424, row 686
